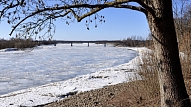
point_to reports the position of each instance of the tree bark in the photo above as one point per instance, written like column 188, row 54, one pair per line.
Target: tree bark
column 172, row 88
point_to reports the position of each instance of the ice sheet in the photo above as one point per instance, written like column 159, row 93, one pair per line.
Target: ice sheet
column 117, row 73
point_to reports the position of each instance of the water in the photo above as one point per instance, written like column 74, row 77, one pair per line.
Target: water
column 46, row 64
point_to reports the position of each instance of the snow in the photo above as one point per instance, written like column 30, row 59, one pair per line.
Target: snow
column 54, row 91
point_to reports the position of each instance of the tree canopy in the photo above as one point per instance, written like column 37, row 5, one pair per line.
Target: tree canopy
column 30, row 17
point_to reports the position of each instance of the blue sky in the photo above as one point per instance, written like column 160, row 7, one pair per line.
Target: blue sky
column 120, row 24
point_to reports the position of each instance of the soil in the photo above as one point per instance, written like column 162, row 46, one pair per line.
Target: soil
column 120, row 95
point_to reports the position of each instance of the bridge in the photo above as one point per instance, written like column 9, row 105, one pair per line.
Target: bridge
column 88, row 42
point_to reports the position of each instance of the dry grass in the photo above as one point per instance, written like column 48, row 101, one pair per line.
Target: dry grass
column 185, row 47
column 147, row 92
column 148, row 89
column 140, row 93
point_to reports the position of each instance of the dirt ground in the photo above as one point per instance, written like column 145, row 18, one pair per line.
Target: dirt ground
column 120, row 95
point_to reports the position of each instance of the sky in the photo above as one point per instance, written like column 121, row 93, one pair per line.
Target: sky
column 120, row 24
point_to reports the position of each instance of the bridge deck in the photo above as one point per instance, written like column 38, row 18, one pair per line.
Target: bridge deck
column 97, row 42
column 100, row 41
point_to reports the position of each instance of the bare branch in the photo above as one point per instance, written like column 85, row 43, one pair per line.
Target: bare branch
column 132, row 8
column 67, row 7
column 11, row 5
column 93, row 11
column 146, row 6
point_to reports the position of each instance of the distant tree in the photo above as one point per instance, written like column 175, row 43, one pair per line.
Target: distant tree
column 182, row 16
column 43, row 13
column 182, row 19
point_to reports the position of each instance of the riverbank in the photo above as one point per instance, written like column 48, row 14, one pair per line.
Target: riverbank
column 120, row 95
column 53, row 92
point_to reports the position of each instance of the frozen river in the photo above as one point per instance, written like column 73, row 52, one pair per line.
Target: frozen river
column 47, row 64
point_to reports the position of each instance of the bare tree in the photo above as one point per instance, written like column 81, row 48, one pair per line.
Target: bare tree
column 43, row 13
column 182, row 16
column 182, row 20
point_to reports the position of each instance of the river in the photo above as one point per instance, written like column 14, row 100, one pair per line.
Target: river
column 47, row 64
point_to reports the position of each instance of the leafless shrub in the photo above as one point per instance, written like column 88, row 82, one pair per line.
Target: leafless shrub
column 17, row 43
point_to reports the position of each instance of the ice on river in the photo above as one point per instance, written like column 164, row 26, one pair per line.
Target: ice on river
column 64, row 70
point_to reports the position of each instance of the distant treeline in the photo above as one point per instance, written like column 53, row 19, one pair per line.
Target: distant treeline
column 134, row 42
column 30, row 43
column 17, row 43
column 45, row 42
column 22, row 43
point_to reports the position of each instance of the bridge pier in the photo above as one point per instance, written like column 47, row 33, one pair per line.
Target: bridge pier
column 105, row 44
column 88, row 44
column 71, row 44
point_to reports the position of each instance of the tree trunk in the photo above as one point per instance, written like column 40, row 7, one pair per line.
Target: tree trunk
column 172, row 87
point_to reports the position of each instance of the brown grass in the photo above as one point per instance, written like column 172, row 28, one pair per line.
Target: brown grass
column 140, row 93
column 146, row 93
column 185, row 47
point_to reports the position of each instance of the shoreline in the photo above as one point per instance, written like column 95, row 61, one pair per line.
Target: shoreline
column 118, row 95
column 98, row 76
